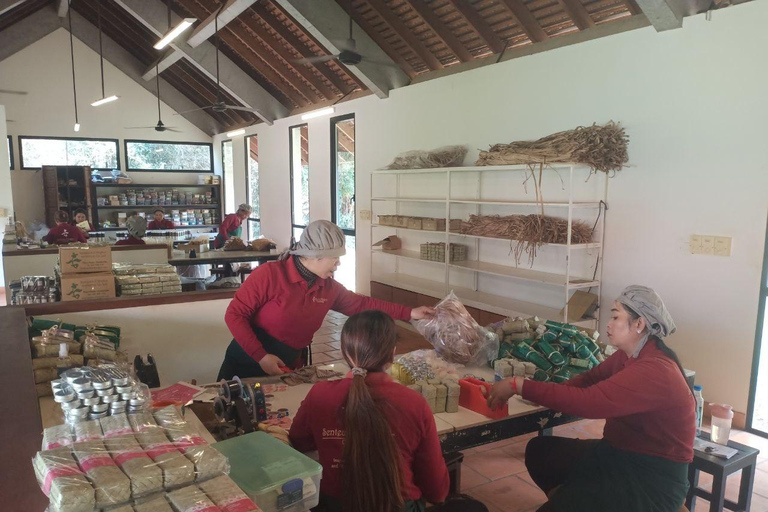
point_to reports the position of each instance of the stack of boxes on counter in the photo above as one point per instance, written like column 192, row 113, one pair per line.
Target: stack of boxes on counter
column 545, row 350
column 58, row 347
column 146, row 279
column 85, row 273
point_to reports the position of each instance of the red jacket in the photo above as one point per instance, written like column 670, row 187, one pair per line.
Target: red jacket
column 318, row 425
column 275, row 297
column 163, row 224
column 131, row 241
column 63, row 234
column 230, row 223
column 646, row 402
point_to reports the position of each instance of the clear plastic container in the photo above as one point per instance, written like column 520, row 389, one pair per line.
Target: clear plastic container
column 274, row 475
column 722, row 416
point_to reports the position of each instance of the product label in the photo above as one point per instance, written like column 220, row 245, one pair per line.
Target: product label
column 118, row 432
column 53, row 473
column 156, row 450
column 123, row 457
column 238, row 504
column 98, row 460
column 293, row 492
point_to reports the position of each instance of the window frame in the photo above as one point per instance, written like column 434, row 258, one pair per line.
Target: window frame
column 10, row 153
column 224, row 173
column 290, row 170
column 170, row 142
column 762, row 301
column 21, row 138
column 334, row 121
column 248, row 181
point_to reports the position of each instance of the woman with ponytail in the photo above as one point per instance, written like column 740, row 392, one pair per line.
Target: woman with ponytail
column 376, row 439
column 641, row 464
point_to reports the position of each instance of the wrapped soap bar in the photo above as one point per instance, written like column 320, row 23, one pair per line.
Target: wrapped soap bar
column 87, row 431
column 111, row 485
column 429, row 393
column 191, row 498
column 177, row 470
column 57, row 437
column 225, row 493
column 146, row 476
column 63, row 481
column 452, row 399
column 518, row 369
column 441, row 393
column 153, row 504
column 555, row 357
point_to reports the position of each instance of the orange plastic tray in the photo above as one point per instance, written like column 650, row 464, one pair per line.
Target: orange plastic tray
column 471, row 397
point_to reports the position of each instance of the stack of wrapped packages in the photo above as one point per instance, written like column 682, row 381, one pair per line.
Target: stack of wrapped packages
column 145, row 279
column 545, row 350
column 140, row 462
column 84, row 345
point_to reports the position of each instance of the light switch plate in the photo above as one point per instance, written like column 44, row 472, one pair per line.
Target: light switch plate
column 708, row 245
column 365, row 214
column 694, row 244
column 722, row 246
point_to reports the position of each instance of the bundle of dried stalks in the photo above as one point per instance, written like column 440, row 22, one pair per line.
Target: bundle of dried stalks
column 527, row 232
column 603, row 148
column 447, row 156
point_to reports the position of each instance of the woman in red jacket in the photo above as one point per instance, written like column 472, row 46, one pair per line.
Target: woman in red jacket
column 376, row 439
column 641, row 464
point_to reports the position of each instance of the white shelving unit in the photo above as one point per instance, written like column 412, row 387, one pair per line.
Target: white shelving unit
column 564, row 278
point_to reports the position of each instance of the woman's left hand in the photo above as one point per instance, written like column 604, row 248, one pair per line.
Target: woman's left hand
column 422, row 313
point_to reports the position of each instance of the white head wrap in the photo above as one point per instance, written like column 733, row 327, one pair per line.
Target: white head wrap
column 321, row 239
column 647, row 303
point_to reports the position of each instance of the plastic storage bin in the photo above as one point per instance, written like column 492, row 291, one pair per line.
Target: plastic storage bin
column 274, row 475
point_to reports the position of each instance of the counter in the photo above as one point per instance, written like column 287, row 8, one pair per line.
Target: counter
column 41, row 262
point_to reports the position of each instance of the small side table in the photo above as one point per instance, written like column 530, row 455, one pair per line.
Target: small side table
column 720, row 469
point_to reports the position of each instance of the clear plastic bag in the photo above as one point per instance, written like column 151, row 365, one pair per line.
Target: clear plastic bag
column 456, row 336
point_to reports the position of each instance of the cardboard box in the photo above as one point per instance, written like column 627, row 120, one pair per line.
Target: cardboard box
column 414, row 222
column 87, row 286
column 581, row 304
column 401, row 221
column 429, row 224
column 199, row 247
column 85, row 259
column 391, row 243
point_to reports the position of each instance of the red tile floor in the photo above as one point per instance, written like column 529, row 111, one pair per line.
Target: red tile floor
column 495, row 473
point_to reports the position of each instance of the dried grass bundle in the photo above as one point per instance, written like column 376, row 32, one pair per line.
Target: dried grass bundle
column 527, row 232
column 447, row 156
column 603, row 148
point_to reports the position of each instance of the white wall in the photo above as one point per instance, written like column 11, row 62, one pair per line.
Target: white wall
column 693, row 103
column 43, row 69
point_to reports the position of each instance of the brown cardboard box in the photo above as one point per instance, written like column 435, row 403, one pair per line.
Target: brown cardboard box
column 429, row 224
column 87, row 286
column 414, row 222
column 401, row 221
column 391, row 243
column 581, row 304
column 85, row 259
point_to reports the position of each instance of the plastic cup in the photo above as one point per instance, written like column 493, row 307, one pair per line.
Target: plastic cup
column 722, row 416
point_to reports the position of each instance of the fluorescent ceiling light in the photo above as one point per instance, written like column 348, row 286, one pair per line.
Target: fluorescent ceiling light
column 174, row 33
column 77, row 127
column 318, row 113
column 236, row 132
column 104, row 100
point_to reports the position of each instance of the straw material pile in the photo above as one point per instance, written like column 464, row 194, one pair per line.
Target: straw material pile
column 603, row 148
column 529, row 232
column 447, row 156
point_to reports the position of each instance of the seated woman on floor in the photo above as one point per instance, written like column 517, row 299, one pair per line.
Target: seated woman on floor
column 641, row 464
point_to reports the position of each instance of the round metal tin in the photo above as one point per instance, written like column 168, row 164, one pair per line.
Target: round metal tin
column 97, row 408
column 86, row 393
column 105, row 392
column 64, row 396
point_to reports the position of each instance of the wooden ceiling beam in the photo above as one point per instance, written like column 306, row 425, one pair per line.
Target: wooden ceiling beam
column 397, row 25
column 526, row 20
column 442, row 32
column 578, row 13
column 231, row 10
column 479, row 25
column 260, row 12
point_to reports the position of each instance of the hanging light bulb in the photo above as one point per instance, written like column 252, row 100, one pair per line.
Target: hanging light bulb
column 104, row 98
column 72, row 55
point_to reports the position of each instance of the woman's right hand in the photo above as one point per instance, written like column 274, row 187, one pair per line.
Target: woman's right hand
column 271, row 364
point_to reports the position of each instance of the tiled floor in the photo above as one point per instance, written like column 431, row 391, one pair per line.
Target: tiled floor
column 495, row 473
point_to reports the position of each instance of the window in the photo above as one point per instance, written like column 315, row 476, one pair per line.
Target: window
column 228, row 169
column 252, row 185
column 145, row 155
column 102, row 154
column 10, row 152
column 343, row 192
column 757, row 412
column 299, row 148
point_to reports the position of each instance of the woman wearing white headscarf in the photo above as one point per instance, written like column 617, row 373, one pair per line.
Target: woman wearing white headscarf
column 275, row 314
column 137, row 228
column 641, row 464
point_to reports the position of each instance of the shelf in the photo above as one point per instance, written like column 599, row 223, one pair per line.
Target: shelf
column 484, row 301
column 170, row 207
column 520, row 167
column 409, row 229
column 410, row 199
column 148, row 185
column 205, row 226
column 576, row 204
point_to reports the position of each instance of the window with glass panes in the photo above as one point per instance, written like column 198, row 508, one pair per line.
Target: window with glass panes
column 252, row 185
column 299, row 153
column 343, row 192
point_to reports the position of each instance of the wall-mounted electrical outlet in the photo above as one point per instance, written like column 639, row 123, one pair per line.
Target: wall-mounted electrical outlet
column 694, row 244
column 722, row 246
column 710, row 245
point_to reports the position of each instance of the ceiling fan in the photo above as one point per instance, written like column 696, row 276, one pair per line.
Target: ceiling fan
column 348, row 54
column 159, row 127
column 6, row 91
column 219, row 105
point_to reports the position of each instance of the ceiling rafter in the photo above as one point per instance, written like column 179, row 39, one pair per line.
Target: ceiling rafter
column 479, row 25
column 440, row 30
column 526, row 20
column 205, row 29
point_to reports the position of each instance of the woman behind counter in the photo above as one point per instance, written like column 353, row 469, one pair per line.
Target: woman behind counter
column 159, row 222
column 63, row 232
column 641, row 464
column 231, row 225
column 81, row 222
column 276, row 312
column 137, row 228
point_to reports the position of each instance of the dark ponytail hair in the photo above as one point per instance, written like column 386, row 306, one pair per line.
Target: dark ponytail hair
column 371, row 476
column 659, row 344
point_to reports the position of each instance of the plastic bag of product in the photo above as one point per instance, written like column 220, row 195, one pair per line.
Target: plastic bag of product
column 176, row 468
column 63, row 481
column 153, row 504
column 110, row 483
column 226, row 495
column 57, row 436
column 456, row 336
column 145, row 475
column 191, row 498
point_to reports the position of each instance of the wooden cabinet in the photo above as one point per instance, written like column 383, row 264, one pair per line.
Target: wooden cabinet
column 66, row 188
column 381, row 291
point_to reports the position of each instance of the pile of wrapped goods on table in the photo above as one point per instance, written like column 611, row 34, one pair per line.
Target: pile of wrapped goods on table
column 137, row 462
column 57, row 347
column 145, row 279
column 545, row 350
column 435, row 379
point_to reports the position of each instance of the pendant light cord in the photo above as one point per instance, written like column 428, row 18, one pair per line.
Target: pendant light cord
column 72, row 55
column 101, row 55
column 157, row 76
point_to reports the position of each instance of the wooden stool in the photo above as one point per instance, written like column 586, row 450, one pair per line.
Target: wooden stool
column 719, row 468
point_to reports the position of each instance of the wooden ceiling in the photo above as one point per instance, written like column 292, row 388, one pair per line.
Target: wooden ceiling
column 420, row 36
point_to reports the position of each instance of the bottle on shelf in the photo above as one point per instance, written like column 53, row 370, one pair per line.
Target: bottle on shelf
column 699, row 407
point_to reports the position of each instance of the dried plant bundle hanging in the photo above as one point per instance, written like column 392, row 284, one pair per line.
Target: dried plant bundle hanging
column 603, row 148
